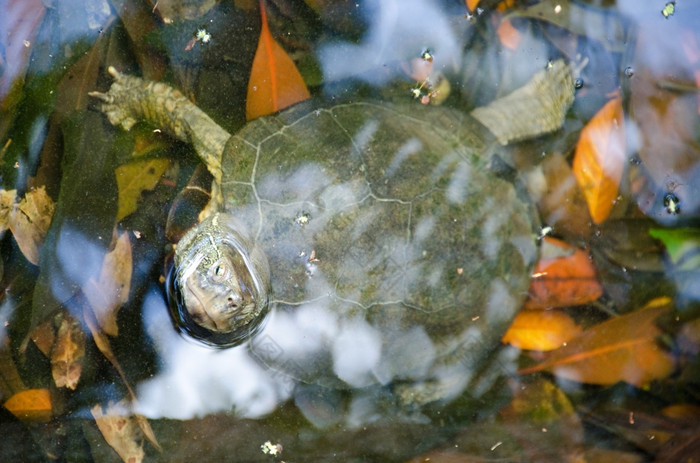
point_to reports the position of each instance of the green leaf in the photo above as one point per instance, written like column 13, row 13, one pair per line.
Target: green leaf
column 682, row 245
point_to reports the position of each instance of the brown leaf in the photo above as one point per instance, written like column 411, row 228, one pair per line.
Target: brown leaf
column 687, row 411
column 564, row 276
column 44, row 336
column 600, row 158
column 541, row 330
column 275, row 82
column 30, row 220
column 134, row 178
column 562, row 204
column 110, row 291
column 120, row 430
column 619, row 349
column 33, row 405
column 68, row 353
column 103, row 344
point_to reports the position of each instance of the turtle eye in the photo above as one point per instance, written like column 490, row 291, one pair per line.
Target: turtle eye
column 219, row 271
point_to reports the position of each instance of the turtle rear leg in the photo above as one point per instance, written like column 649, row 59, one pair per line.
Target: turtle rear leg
column 537, row 108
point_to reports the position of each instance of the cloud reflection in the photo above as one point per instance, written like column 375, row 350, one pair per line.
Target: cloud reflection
column 196, row 380
column 398, row 29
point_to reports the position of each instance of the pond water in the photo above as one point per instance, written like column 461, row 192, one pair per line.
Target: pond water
column 398, row 239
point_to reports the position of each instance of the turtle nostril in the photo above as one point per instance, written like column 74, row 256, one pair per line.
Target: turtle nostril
column 231, row 304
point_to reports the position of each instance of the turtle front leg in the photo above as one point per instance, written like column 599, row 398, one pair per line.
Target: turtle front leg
column 131, row 99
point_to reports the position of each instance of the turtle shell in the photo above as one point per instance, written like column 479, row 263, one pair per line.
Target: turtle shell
column 394, row 252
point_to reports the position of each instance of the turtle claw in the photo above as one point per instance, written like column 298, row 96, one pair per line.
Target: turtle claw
column 118, row 103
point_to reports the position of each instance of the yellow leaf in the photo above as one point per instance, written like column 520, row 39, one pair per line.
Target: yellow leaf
column 600, row 158
column 32, row 405
column 275, row 82
column 620, row 349
column 7, row 203
column 135, row 177
column 541, row 330
column 110, row 291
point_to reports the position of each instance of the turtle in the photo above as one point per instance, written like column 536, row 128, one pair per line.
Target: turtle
column 356, row 243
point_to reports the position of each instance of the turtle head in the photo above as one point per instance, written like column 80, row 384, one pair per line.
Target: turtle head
column 220, row 283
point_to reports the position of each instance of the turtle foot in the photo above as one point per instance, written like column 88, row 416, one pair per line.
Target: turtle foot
column 118, row 103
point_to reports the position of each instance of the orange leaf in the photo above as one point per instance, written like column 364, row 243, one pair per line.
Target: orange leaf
column 30, row 405
column 275, row 82
column 600, row 158
column 472, row 4
column 541, row 330
column 564, row 276
column 508, row 35
column 620, row 349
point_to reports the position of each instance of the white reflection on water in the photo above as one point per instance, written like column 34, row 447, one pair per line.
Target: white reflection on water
column 195, row 380
column 79, row 258
column 356, row 352
column 398, row 29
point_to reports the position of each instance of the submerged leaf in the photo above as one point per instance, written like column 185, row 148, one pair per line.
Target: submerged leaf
column 30, row 222
column 68, row 353
column 134, row 178
column 562, row 204
column 545, row 423
column 32, row 405
column 619, row 349
column 681, row 243
column 600, row 158
column 110, row 291
column 564, row 276
column 541, row 330
column 103, row 344
column 275, row 82
column 44, row 336
column 7, row 201
column 120, row 430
